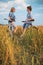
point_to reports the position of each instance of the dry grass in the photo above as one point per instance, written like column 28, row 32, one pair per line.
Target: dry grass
column 21, row 51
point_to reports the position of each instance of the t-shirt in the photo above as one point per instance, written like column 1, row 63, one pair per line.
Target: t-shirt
column 12, row 16
column 28, row 17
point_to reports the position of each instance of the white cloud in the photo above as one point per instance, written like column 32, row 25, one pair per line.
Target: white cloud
column 3, row 13
column 5, row 6
column 19, row 2
column 19, row 8
column 11, row 4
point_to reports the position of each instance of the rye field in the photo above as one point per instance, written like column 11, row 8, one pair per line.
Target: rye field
column 27, row 50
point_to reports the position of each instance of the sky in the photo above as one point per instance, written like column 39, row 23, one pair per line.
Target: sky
column 21, row 13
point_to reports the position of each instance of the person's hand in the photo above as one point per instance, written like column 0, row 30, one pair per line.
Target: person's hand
column 29, row 19
column 26, row 20
column 9, row 19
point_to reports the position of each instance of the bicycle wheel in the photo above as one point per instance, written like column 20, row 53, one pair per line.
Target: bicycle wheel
column 34, row 27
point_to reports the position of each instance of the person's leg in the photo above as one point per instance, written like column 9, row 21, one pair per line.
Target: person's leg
column 23, row 32
column 11, row 30
column 28, row 25
column 24, row 27
column 9, row 26
column 15, row 29
column 13, row 26
column 31, row 24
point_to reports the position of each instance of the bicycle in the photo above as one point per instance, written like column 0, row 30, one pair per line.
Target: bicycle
column 10, row 30
column 31, row 25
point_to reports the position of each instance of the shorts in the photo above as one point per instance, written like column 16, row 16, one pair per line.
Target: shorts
column 26, row 25
column 11, row 25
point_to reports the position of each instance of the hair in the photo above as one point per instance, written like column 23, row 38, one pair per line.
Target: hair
column 12, row 9
column 29, row 7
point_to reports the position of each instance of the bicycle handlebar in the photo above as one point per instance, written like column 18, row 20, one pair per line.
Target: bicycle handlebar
column 5, row 19
column 30, row 20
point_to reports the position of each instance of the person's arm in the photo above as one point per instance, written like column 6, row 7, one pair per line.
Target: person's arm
column 9, row 18
column 29, row 19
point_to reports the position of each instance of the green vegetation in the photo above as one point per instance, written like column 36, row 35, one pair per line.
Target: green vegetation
column 27, row 50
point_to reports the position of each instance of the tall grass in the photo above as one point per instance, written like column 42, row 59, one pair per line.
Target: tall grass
column 27, row 50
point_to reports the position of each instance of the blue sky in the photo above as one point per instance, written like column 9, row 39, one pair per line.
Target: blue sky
column 20, row 5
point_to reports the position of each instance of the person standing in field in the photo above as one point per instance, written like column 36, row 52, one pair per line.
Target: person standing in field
column 11, row 19
column 29, row 19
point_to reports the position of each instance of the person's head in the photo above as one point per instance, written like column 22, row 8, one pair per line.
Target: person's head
column 29, row 8
column 12, row 9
